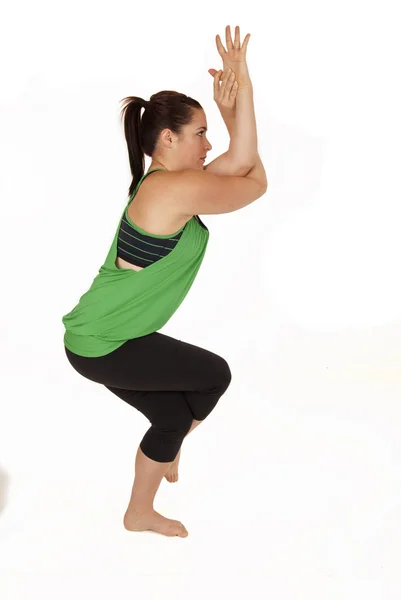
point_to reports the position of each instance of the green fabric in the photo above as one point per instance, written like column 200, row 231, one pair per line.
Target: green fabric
column 122, row 304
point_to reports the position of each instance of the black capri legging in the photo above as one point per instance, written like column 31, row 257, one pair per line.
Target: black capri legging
column 171, row 382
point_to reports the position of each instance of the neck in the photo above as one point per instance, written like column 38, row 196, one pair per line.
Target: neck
column 155, row 164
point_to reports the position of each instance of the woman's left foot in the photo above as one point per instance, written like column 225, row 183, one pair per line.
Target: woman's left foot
column 172, row 474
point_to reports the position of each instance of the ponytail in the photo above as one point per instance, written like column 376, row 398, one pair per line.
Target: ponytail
column 166, row 110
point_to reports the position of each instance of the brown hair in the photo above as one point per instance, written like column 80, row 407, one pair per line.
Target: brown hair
column 166, row 109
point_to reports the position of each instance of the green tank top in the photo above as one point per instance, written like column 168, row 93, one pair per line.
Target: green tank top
column 122, row 304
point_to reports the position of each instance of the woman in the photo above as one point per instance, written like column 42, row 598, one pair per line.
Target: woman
column 112, row 333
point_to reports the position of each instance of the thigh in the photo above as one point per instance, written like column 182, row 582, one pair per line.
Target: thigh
column 155, row 362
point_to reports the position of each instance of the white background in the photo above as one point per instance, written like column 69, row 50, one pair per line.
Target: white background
column 292, row 487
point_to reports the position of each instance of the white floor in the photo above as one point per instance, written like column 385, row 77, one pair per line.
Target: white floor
column 290, row 490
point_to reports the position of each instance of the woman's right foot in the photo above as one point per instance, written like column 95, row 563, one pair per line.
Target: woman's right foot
column 154, row 521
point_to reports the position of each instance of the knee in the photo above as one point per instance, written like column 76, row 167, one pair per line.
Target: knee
column 175, row 424
column 182, row 423
column 224, row 374
column 163, row 439
column 219, row 376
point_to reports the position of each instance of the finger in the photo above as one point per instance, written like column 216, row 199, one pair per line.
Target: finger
column 220, row 48
column 226, row 75
column 229, row 42
column 237, row 39
column 233, row 95
column 245, row 43
column 216, row 83
column 226, row 82
column 228, row 85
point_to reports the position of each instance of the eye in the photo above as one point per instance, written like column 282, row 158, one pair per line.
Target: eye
column 200, row 133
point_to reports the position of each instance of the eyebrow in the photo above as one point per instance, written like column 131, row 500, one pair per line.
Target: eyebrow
column 203, row 127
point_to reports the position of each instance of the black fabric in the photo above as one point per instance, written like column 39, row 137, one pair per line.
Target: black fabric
column 140, row 249
column 170, row 381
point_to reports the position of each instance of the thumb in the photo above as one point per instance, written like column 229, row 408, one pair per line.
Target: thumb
column 213, row 72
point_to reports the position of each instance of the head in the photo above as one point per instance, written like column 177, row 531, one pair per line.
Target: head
column 171, row 130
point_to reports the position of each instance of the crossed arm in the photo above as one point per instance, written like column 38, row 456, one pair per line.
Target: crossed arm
column 225, row 165
column 240, row 121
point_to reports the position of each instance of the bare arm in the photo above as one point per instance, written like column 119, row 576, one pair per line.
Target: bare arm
column 243, row 149
column 225, row 165
column 244, row 139
column 258, row 173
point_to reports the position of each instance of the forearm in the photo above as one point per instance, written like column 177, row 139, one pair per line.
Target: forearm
column 228, row 117
column 241, row 158
column 243, row 146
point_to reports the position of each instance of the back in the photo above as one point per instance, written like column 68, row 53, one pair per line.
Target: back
column 202, row 192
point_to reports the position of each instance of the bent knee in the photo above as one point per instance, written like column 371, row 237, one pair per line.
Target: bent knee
column 224, row 373
column 176, row 424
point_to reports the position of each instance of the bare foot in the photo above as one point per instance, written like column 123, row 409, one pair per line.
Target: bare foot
column 172, row 473
column 154, row 521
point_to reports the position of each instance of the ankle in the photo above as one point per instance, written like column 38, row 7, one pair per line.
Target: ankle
column 139, row 507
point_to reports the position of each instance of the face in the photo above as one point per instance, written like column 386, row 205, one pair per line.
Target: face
column 186, row 151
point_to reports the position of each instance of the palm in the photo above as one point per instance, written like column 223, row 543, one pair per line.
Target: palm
column 235, row 55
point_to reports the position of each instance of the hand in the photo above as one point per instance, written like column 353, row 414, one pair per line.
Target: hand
column 235, row 56
column 225, row 93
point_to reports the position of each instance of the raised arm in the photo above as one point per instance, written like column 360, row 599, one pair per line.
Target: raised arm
column 240, row 120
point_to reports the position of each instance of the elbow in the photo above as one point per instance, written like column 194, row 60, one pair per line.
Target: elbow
column 243, row 170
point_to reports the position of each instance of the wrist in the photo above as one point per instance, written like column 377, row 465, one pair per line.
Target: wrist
column 229, row 122
column 245, row 86
column 228, row 114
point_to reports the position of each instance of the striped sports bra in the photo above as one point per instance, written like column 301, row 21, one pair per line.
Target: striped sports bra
column 137, row 246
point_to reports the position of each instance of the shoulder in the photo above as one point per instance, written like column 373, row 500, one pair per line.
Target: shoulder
column 169, row 187
column 175, row 176
column 187, row 192
column 158, row 202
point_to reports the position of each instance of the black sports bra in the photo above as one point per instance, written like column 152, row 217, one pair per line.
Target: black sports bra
column 141, row 248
